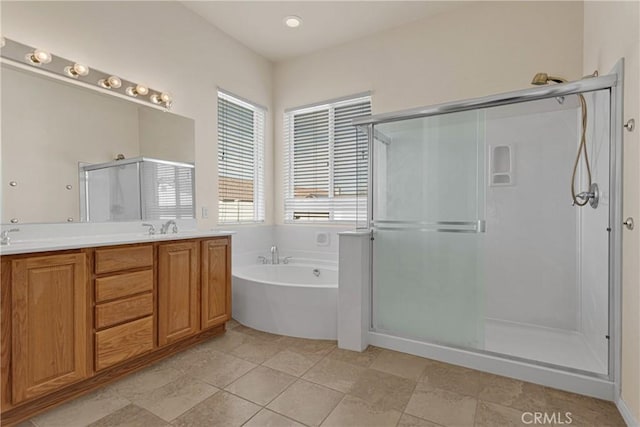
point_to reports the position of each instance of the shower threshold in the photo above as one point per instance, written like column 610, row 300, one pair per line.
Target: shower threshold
column 555, row 346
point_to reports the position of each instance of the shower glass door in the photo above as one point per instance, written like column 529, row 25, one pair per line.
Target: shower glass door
column 476, row 244
column 428, row 229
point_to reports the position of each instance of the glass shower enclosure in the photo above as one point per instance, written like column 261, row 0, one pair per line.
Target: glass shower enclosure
column 139, row 188
column 475, row 242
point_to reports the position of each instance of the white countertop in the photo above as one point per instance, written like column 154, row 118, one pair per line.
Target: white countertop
column 18, row 246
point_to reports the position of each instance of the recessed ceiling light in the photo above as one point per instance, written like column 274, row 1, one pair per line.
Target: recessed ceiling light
column 292, row 21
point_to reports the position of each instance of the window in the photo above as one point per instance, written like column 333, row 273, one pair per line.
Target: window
column 326, row 162
column 240, row 160
column 167, row 190
column 140, row 188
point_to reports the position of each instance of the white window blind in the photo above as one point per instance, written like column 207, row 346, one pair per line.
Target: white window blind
column 325, row 162
column 240, row 160
column 167, row 190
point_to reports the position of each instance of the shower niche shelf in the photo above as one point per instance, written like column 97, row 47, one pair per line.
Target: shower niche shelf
column 501, row 165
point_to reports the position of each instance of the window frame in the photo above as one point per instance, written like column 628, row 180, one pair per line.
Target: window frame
column 259, row 135
column 329, row 204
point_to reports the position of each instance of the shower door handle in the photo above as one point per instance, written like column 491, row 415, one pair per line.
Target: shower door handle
column 629, row 223
column 478, row 226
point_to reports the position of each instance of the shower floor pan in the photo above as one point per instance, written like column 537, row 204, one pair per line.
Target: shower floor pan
column 548, row 345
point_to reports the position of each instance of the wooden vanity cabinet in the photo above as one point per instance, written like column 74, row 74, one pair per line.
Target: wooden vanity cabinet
column 178, row 294
column 49, row 323
column 215, row 307
column 74, row 320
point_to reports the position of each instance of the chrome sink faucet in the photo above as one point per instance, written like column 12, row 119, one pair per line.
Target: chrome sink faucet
column 165, row 227
column 5, row 239
column 152, row 229
column 275, row 258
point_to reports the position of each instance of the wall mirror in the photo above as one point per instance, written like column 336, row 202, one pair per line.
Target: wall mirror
column 72, row 154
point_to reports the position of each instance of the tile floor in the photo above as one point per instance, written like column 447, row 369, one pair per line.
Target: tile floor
column 255, row 379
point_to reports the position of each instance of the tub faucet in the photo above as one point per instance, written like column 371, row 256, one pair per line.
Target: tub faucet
column 275, row 258
column 165, row 227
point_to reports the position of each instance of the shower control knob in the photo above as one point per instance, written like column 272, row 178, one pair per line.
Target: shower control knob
column 629, row 223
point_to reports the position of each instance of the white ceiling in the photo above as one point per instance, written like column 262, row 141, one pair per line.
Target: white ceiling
column 259, row 24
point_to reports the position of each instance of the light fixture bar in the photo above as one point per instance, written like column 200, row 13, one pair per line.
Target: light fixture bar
column 43, row 62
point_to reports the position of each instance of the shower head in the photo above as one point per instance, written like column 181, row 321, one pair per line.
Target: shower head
column 540, row 79
column 544, row 78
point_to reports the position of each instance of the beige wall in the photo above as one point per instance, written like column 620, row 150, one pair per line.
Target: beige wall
column 164, row 45
column 473, row 50
column 166, row 136
column 611, row 31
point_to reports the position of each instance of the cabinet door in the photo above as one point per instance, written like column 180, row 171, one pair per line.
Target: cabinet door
column 216, row 282
column 49, row 324
column 178, row 304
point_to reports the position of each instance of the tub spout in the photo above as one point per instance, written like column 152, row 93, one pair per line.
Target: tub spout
column 275, row 258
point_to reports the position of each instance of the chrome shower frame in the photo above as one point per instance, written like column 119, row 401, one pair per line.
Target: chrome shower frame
column 602, row 386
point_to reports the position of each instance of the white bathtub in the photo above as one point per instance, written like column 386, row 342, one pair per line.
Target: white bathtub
column 288, row 299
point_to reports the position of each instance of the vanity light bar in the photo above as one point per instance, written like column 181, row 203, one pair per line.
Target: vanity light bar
column 22, row 54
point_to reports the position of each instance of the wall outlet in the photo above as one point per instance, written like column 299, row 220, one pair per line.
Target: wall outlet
column 205, row 212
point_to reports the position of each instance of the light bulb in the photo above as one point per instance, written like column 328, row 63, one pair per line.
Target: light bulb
column 38, row 57
column 137, row 90
column 76, row 70
column 165, row 97
column 162, row 98
column 111, row 82
column 142, row 90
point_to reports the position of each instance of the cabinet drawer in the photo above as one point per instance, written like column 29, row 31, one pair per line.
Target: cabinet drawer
column 117, row 259
column 122, row 285
column 123, row 342
column 114, row 312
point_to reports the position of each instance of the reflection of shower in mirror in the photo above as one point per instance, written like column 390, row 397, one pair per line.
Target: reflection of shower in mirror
column 140, row 188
